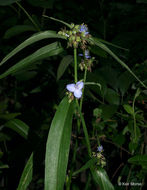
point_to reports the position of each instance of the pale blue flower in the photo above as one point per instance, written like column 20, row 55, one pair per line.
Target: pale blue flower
column 76, row 88
column 83, row 28
column 100, row 148
column 87, row 56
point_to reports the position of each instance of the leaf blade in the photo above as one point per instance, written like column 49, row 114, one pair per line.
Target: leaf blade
column 88, row 164
column 101, row 178
column 46, row 51
column 63, row 65
column 27, row 174
column 18, row 126
column 7, row 2
column 18, row 29
column 104, row 47
column 36, row 37
column 57, row 147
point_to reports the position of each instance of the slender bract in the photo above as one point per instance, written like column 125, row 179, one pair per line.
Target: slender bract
column 57, row 147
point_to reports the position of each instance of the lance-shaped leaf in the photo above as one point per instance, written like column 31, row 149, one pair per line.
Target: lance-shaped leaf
column 18, row 126
column 105, row 48
column 63, row 65
column 57, row 147
column 101, row 178
column 88, row 164
column 139, row 160
column 7, row 2
column 26, row 176
column 42, row 53
column 18, row 29
column 35, row 38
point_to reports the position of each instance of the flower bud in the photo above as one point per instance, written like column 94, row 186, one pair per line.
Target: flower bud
column 72, row 25
column 73, row 38
column 75, row 44
column 78, row 39
column 77, row 27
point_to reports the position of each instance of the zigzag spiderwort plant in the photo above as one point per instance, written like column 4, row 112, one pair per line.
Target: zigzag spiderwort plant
column 58, row 143
column 77, row 37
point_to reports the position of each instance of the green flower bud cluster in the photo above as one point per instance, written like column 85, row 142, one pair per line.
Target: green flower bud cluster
column 77, row 36
column 101, row 161
column 70, row 96
column 87, row 64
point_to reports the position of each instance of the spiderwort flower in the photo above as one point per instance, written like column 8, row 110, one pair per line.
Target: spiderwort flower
column 76, row 89
column 83, row 28
column 87, row 56
column 100, row 148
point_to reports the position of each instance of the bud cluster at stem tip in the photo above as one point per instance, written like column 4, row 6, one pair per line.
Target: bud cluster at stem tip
column 78, row 35
column 101, row 161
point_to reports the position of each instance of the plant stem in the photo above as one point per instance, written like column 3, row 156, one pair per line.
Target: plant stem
column 75, row 65
column 42, row 19
column 134, row 119
column 81, row 102
column 72, row 168
column 85, row 131
column 30, row 18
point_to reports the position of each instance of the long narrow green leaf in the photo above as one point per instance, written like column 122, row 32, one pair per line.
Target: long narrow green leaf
column 18, row 126
column 36, row 37
column 44, row 52
column 26, row 176
column 111, row 44
column 57, row 147
column 104, row 47
column 7, row 2
column 101, row 178
column 18, row 29
column 88, row 164
column 63, row 65
column 9, row 116
column 138, row 160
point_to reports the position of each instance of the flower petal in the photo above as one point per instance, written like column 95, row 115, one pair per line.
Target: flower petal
column 71, row 87
column 78, row 93
column 86, row 33
column 80, row 54
column 86, row 52
column 87, row 56
column 100, row 148
column 80, row 85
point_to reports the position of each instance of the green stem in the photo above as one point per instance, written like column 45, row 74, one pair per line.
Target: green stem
column 81, row 102
column 42, row 19
column 75, row 64
column 72, row 168
column 85, row 131
column 134, row 119
column 30, row 18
